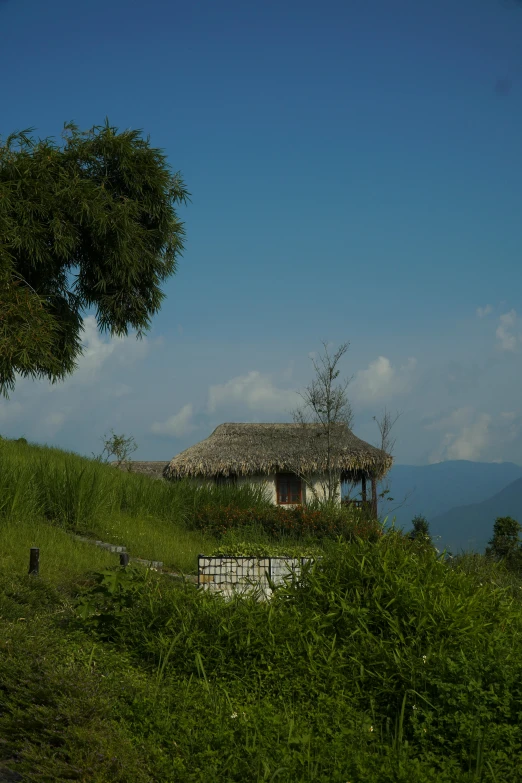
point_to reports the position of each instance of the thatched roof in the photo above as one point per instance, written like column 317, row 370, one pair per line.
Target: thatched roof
column 152, row 469
column 253, row 449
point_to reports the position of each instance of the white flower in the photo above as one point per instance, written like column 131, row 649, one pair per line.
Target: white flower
column 424, row 659
column 234, row 715
column 371, row 728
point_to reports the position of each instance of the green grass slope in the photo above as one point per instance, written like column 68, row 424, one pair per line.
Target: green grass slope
column 382, row 663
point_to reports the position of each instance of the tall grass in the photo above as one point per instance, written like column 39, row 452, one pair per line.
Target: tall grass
column 62, row 558
column 75, row 491
column 151, row 518
column 154, row 538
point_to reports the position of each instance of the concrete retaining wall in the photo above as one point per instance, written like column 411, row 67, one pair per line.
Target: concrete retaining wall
column 230, row 575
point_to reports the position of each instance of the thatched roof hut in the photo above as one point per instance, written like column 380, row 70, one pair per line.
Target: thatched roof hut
column 263, row 449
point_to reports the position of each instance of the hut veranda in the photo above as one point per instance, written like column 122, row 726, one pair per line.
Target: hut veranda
column 294, row 461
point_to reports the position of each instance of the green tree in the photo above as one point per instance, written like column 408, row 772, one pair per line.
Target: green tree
column 420, row 532
column 117, row 446
column 90, row 223
column 505, row 545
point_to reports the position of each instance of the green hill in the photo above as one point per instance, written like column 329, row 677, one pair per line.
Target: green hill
column 381, row 664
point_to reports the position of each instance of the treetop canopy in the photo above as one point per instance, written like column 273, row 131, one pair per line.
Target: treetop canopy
column 88, row 223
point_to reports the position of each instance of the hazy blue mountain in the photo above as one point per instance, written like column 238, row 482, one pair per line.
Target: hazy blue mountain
column 435, row 489
column 470, row 527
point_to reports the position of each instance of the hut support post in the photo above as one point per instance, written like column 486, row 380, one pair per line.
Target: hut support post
column 363, row 489
column 374, row 497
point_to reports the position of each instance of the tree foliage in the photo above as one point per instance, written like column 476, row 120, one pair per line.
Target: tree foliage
column 90, row 223
column 505, row 544
column 420, row 532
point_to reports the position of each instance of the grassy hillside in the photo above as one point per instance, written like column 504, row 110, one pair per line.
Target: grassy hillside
column 382, row 664
column 47, row 493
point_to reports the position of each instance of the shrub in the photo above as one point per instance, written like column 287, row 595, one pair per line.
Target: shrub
column 505, row 545
column 277, row 522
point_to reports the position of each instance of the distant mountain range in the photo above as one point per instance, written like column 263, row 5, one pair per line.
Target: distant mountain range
column 459, row 498
column 470, row 527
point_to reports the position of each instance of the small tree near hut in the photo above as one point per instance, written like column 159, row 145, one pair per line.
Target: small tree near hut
column 117, row 446
column 325, row 404
column 420, row 532
column 387, row 444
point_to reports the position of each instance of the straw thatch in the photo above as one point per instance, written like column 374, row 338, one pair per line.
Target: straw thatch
column 152, row 469
column 263, row 449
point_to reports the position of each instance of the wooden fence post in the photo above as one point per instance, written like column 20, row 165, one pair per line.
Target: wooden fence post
column 34, row 561
column 124, row 559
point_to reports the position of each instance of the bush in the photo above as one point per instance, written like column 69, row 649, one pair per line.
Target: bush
column 505, row 545
column 378, row 664
column 277, row 522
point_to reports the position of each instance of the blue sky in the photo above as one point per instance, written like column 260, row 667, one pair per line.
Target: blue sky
column 356, row 175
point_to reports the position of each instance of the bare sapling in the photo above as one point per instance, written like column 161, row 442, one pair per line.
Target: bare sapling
column 387, row 444
column 326, row 405
column 117, row 446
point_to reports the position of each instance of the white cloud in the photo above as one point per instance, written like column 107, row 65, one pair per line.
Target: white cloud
column 483, row 311
column 381, row 380
column 455, row 418
column 466, row 435
column 254, row 391
column 178, row 425
column 97, row 351
column 507, row 340
column 472, row 441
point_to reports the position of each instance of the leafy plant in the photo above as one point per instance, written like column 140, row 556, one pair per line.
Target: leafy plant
column 101, row 605
column 420, row 532
column 117, row 446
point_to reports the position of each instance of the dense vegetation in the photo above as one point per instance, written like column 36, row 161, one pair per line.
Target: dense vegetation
column 383, row 663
